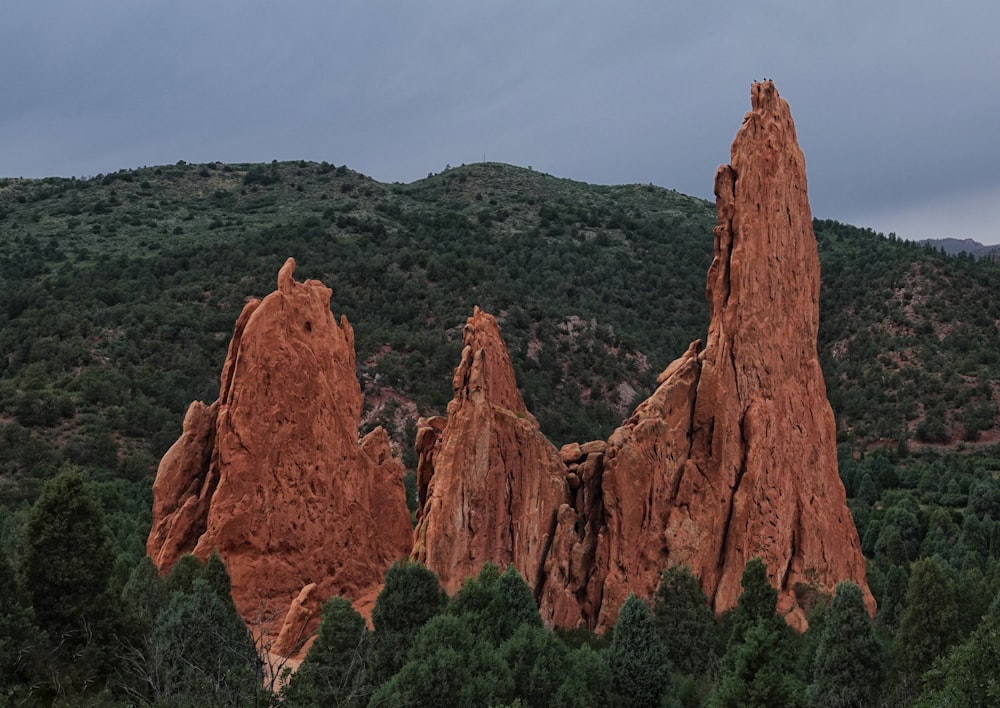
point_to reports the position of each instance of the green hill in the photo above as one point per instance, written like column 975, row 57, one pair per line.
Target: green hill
column 121, row 291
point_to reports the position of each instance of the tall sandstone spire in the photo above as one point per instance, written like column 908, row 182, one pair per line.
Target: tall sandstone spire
column 489, row 482
column 273, row 475
column 734, row 455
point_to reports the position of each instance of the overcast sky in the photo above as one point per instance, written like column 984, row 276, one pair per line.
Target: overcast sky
column 896, row 102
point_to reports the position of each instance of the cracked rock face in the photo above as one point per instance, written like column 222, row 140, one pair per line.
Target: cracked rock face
column 734, row 455
column 489, row 482
column 273, row 474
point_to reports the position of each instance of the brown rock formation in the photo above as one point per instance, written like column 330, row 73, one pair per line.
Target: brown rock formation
column 734, row 455
column 273, row 475
column 489, row 482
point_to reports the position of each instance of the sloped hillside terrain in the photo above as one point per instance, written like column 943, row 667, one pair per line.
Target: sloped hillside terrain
column 120, row 292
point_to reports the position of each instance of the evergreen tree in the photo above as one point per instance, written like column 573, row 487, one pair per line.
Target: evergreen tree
column 758, row 602
column 892, row 602
column 186, row 570
column 969, row 675
column 19, row 637
column 682, row 614
column 145, row 594
column 497, row 603
column 410, row 597
column 448, row 665
column 760, row 671
column 973, row 596
column 588, row 681
column 333, row 670
column 848, row 669
column 67, row 561
column 537, row 660
column 204, row 656
column 759, row 667
column 930, row 624
column 638, row 657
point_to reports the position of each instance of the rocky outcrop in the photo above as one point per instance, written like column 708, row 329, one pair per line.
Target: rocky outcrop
column 273, row 475
column 734, row 455
column 489, row 482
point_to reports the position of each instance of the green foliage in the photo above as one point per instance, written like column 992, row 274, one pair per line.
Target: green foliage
column 186, row 570
column 848, row 669
column 967, row 676
column 19, row 637
column 145, row 595
column 203, row 654
column 760, row 671
column 538, row 662
column 496, row 604
column 930, row 625
column 684, row 619
column 757, row 603
column 759, row 667
column 410, row 597
column 66, row 561
column 332, row 674
column 449, row 664
column 638, row 657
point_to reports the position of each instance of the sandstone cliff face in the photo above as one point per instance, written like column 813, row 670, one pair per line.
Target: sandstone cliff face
column 273, row 474
column 489, row 482
column 734, row 455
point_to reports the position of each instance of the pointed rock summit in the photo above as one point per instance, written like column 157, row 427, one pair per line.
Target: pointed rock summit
column 734, row 455
column 489, row 482
column 273, row 475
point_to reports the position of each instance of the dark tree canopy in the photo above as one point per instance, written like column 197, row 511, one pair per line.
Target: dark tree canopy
column 67, row 560
column 848, row 669
column 684, row 618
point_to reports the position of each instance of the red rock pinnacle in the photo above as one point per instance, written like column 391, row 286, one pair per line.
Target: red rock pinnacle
column 273, row 475
column 734, row 455
column 490, row 481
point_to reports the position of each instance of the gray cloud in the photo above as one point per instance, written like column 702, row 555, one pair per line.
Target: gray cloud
column 894, row 101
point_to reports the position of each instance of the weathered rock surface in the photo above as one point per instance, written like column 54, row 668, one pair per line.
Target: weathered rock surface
column 273, row 474
column 489, row 482
column 734, row 455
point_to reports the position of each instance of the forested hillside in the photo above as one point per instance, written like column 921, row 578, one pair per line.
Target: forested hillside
column 119, row 294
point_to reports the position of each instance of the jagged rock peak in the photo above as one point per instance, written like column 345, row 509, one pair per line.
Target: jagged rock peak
column 489, row 482
column 485, row 368
column 273, row 474
column 734, row 455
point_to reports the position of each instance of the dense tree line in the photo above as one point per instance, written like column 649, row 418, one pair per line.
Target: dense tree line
column 73, row 633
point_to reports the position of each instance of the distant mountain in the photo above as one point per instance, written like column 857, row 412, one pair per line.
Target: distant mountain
column 954, row 246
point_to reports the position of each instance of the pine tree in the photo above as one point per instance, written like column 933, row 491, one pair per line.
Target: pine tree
column 848, row 669
column 537, row 660
column 204, row 655
column 449, row 665
column 758, row 601
column 497, row 603
column 332, row 672
column 411, row 595
column 968, row 676
column 759, row 666
column 19, row 637
column 67, row 562
column 930, row 624
column 760, row 672
column 186, row 570
column 682, row 614
column 638, row 657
